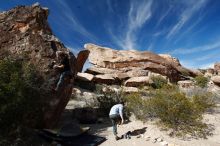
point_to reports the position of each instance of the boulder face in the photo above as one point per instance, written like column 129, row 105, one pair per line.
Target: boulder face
column 25, row 32
column 107, row 60
column 216, row 80
column 217, row 67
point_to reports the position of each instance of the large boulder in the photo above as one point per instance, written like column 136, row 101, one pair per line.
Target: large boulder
column 216, row 80
column 123, row 60
column 85, row 76
column 81, row 59
column 170, row 59
column 104, row 79
column 209, row 72
column 138, row 81
column 217, row 67
column 95, row 70
column 26, row 34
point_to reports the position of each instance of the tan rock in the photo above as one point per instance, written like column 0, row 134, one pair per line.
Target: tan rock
column 216, row 80
column 103, row 57
column 121, row 76
column 217, row 67
column 209, row 72
column 100, row 70
column 81, row 59
column 196, row 72
column 170, row 59
column 137, row 81
column 104, row 79
column 130, row 89
column 137, row 72
column 25, row 32
column 185, row 84
column 85, row 76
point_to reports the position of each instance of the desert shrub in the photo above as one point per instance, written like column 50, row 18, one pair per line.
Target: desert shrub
column 107, row 98
column 137, row 105
column 173, row 109
column 20, row 104
column 158, row 82
column 201, row 81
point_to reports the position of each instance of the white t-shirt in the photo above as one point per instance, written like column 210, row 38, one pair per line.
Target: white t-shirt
column 117, row 109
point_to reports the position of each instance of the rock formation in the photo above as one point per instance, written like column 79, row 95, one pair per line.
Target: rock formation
column 216, row 80
column 217, row 67
column 125, row 64
column 25, row 33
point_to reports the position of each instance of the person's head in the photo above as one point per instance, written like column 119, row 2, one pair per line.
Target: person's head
column 62, row 55
column 122, row 102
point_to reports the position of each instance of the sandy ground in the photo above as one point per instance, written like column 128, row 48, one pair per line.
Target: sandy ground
column 147, row 137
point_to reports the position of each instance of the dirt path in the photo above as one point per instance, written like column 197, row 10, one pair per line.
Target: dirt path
column 147, row 138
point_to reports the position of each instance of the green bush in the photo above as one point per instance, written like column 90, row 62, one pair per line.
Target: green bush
column 158, row 82
column 137, row 105
column 173, row 109
column 108, row 98
column 20, row 104
column 201, row 81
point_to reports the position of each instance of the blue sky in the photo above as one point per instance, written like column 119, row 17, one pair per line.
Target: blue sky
column 186, row 29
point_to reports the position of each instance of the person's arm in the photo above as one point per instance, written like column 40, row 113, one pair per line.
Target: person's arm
column 121, row 114
column 59, row 66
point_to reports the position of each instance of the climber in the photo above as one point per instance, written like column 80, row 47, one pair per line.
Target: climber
column 64, row 67
column 116, row 116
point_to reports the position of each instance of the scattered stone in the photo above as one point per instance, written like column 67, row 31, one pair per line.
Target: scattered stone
column 159, row 139
column 154, row 140
column 164, row 143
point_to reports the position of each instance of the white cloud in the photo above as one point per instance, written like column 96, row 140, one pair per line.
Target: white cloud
column 208, row 47
column 109, row 4
column 139, row 13
column 192, row 7
column 72, row 21
column 208, row 56
column 206, row 65
column 196, row 65
column 164, row 16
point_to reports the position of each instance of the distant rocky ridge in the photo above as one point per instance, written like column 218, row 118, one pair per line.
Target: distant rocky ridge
column 114, row 67
column 25, row 34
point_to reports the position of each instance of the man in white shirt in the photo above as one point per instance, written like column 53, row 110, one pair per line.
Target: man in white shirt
column 116, row 115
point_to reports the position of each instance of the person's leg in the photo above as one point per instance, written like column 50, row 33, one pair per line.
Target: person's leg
column 61, row 79
column 114, row 119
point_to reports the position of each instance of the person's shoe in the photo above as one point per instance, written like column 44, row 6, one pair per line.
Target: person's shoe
column 117, row 138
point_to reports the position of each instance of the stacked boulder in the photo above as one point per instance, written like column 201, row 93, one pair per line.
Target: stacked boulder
column 130, row 68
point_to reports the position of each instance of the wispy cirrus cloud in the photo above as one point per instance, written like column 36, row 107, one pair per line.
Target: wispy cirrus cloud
column 184, row 51
column 212, row 55
column 72, row 21
column 196, row 65
column 163, row 16
column 192, row 7
column 139, row 13
column 75, row 50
